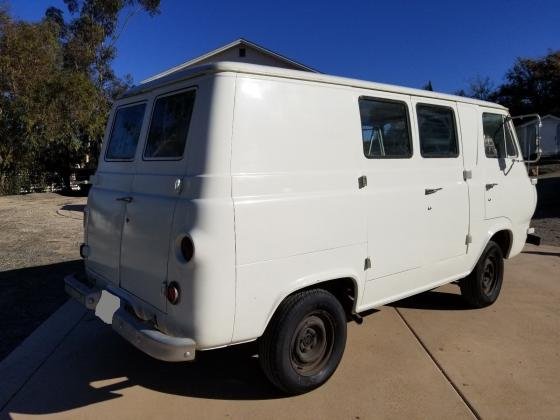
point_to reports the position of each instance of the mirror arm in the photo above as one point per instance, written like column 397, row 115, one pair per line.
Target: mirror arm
column 537, row 135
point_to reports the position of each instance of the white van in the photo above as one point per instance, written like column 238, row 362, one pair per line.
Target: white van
column 236, row 202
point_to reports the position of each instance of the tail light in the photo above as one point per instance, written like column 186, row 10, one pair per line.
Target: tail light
column 173, row 293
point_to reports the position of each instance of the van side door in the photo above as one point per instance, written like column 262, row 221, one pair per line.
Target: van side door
column 393, row 196
column 155, row 190
column 446, row 193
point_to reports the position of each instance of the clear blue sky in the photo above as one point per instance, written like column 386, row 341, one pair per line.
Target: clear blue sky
column 399, row 42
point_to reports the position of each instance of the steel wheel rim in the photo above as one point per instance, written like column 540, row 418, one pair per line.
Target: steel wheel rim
column 312, row 343
column 490, row 275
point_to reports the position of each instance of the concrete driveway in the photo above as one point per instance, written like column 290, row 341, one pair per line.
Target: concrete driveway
column 425, row 357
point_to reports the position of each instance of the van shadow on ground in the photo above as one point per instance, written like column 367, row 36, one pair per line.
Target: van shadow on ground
column 28, row 296
column 434, row 300
column 94, row 365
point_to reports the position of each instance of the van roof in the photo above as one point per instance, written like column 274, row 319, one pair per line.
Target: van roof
column 246, row 68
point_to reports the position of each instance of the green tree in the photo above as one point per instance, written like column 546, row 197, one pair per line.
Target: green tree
column 532, row 85
column 57, row 85
column 29, row 57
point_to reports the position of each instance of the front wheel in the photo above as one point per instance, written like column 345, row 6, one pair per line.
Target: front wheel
column 304, row 342
column 482, row 287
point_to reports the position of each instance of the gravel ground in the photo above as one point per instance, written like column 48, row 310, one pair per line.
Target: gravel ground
column 39, row 241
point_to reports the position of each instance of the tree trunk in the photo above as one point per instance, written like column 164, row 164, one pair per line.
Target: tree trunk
column 66, row 179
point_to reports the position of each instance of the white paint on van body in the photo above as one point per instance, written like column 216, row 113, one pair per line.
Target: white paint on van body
column 271, row 200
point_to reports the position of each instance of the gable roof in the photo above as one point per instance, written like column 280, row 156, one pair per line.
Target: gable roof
column 237, row 43
column 546, row 117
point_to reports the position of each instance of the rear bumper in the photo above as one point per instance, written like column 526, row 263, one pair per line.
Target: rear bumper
column 141, row 334
column 533, row 239
column 152, row 341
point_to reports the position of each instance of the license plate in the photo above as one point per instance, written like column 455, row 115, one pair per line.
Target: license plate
column 108, row 304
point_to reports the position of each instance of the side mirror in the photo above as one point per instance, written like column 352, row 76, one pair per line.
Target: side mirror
column 529, row 136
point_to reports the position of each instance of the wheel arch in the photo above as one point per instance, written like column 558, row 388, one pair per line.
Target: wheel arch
column 499, row 230
column 345, row 288
column 504, row 239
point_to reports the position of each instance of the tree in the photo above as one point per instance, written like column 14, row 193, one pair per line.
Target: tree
column 481, row 88
column 532, row 85
column 29, row 56
column 57, row 84
column 428, row 86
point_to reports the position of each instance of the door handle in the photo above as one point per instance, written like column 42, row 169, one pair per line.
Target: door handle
column 490, row 186
column 429, row 191
column 125, row 199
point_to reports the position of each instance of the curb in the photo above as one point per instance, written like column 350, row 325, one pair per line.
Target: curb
column 22, row 363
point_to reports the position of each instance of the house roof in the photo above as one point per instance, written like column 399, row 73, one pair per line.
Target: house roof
column 546, row 117
column 237, row 43
column 246, row 68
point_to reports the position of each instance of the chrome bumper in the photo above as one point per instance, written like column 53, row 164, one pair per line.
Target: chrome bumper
column 141, row 334
column 86, row 295
column 152, row 341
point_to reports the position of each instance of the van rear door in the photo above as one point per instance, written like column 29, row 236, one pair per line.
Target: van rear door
column 112, row 184
column 156, row 187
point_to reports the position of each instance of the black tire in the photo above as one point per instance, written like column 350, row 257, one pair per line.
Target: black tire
column 304, row 342
column 482, row 286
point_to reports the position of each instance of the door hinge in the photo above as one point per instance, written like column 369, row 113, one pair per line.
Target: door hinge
column 467, row 175
column 468, row 239
column 367, row 264
column 362, row 182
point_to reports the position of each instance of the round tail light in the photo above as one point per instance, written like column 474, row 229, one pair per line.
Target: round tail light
column 187, row 248
column 173, row 293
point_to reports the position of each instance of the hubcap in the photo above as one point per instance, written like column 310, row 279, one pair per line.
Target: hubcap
column 312, row 343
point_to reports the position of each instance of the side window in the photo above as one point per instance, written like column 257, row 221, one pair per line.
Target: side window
column 493, row 135
column 385, row 129
column 170, row 125
column 438, row 135
column 499, row 141
column 127, row 124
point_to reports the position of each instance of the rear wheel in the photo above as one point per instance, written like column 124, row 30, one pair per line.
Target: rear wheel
column 482, row 287
column 304, row 342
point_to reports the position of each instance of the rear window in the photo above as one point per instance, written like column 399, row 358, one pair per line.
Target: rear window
column 438, row 135
column 385, row 129
column 125, row 133
column 170, row 125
